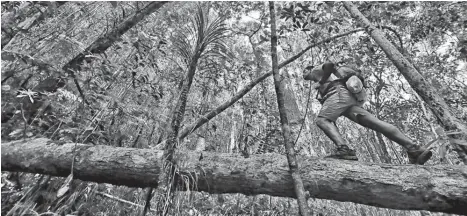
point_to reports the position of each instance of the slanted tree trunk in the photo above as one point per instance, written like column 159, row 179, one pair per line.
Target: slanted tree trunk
column 104, row 42
column 9, row 21
column 370, row 147
column 423, row 88
column 383, row 147
column 279, row 84
column 10, row 29
column 206, row 33
column 408, row 187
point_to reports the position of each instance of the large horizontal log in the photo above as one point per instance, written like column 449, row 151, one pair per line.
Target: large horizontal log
column 410, row 187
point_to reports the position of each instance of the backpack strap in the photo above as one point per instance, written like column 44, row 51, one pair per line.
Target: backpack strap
column 318, row 98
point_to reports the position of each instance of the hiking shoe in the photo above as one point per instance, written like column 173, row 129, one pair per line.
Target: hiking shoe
column 344, row 152
column 419, row 156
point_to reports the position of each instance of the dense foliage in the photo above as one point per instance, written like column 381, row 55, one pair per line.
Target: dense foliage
column 125, row 95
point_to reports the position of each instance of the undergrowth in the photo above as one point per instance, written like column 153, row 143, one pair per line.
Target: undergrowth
column 37, row 195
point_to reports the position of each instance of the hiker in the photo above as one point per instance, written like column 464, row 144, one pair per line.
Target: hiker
column 341, row 98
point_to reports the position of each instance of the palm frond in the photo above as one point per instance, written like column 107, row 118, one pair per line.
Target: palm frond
column 183, row 47
column 203, row 37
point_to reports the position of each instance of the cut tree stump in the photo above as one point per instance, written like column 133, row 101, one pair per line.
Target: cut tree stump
column 441, row 188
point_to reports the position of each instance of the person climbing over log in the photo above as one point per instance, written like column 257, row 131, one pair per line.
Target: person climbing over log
column 342, row 94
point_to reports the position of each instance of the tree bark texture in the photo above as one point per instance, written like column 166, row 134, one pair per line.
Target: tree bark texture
column 201, row 121
column 423, row 88
column 408, row 187
column 279, row 84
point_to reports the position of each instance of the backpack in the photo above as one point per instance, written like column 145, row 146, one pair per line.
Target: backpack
column 351, row 79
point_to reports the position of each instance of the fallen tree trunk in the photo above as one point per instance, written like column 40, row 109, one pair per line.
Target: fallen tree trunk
column 434, row 188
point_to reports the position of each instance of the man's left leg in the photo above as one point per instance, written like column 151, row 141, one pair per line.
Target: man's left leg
column 332, row 108
column 330, row 129
column 359, row 115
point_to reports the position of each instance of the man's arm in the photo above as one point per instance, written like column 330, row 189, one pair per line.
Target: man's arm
column 328, row 69
column 320, row 73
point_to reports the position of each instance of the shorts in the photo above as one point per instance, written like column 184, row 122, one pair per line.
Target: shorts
column 339, row 103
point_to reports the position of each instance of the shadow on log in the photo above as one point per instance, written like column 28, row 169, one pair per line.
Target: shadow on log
column 408, row 187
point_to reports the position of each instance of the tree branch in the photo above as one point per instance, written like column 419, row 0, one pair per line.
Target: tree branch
column 119, row 199
column 401, row 45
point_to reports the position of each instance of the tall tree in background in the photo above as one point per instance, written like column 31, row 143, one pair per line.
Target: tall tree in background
column 279, row 83
column 437, row 105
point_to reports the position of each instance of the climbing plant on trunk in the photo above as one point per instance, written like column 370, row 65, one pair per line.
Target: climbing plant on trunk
column 202, row 38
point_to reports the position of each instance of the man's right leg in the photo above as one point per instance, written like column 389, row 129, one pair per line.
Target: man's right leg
column 330, row 130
